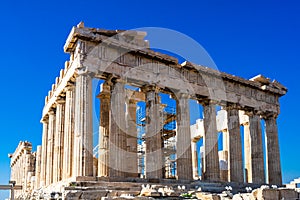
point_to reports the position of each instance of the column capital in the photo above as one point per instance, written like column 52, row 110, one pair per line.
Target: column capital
column 82, row 71
column 45, row 119
column 70, row 86
column 105, row 91
column 52, row 111
column 251, row 112
column 231, row 106
column 269, row 115
column 60, row 100
column 180, row 95
column 206, row 102
column 150, row 88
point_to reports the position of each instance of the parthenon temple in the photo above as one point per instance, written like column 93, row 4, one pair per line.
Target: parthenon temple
column 122, row 128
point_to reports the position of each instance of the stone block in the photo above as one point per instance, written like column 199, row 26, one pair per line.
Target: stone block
column 245, row 196
column 265, row 194
column 74, row 195
column 93, row 194
column 289, row 194
column 207, row 196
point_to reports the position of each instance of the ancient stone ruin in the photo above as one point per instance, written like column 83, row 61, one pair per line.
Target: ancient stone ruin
column 159, row 161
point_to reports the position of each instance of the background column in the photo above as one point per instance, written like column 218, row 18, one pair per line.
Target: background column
column 44, row 152
column 273, row 155
column 183, row 144
column 118, row 139
column 247, row 154
column 83, row 146
column 257, row 155
column 50, row 145
column 132, row 159
column 58, row 140
column 69, row 132
column 195, row 159
column 210, row 141
column 38, row 167
column 103, row 158
column 235, row 146
column 154, row 164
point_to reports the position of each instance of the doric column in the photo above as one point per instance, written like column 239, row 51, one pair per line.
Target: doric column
column 50, row 145
column 103, row 158
column 154, row 163
column 256, row 159
column 69, row 132
column 195, row 159
column 183, row 143
column 27, row 168
column 58, row 140
column 131, row 130
column 117, row 138
column 38, row 167
column 273, row 155
column 44, row 152
column 247, row 152
column 83, row 146
column 235, row 145
column 210, row 141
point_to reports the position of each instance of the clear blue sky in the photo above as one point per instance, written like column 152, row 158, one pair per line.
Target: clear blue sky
column 244, row 38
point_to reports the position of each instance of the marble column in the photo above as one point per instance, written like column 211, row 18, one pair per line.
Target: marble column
column 83, row 126
column 247, row 152
column 58, row 140
column 236, row 173
column 223, row 157
column 273, row 155
column 27, row 169
column 195, row 159
column 44, row 152
column 38, row 167
column 117, row 138
column 69, row 132
column 131, row 130
column 50, row 148
column 154, row 164
column 183, row 143
column 103, row 158
column 211, row 168
column 256, row 149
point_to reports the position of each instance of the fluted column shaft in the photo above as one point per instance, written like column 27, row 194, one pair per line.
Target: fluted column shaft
column 58, row 141
column 211, row 157
column 83, row 146
column 27, row 169
column 69, row 132
column 38, row 167
column 44, row 153
column 235, row 146
column 118, row 139
column 105, row 114
column 50, row 149
column 154, row 164
column 256, row 150
column 183, row 143
column 195, row 159
column 247, row 153
column 273, row 155
column 131, row 130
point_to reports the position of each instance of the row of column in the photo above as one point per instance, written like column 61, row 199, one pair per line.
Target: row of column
column 23, row 170
column 74, row 114
column 118, row 135
column 56, row 154
column 254, row 156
